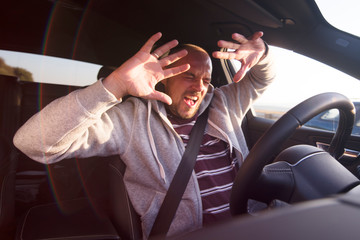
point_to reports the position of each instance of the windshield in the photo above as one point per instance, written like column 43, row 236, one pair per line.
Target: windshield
column 318, row 77
column 343, row 15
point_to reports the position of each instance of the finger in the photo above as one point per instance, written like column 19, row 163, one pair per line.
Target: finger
column 150, row 42
column 257, row 35
column 224, row 55
column 170, row 72
column 239, row 38
column 161, row 97
column 241, row 73
column 173, row 58
column 227, row 44
column 166, row 47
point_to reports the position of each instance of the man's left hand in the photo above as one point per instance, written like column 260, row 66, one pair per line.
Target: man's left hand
column 247, row 51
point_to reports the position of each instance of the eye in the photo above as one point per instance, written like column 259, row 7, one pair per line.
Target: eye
column 207, row 81
column 189, row 76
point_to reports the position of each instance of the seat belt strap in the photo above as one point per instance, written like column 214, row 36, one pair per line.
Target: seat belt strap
column 180, row 181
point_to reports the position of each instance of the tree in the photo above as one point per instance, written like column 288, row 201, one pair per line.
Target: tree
column 21, row 73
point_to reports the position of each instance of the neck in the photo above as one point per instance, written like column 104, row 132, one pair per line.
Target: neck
column 178, row 120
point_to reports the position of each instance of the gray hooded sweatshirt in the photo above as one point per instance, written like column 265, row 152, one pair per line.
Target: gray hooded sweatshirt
column 91, row 121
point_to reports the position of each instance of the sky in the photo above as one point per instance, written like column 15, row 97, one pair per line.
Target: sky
column 296, row 75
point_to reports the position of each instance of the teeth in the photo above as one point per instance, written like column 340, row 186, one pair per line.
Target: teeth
column 193, row 98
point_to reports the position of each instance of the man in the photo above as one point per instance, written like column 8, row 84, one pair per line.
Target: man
column 149, row 130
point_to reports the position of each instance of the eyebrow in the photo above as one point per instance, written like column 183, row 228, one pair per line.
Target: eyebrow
column 193, row 75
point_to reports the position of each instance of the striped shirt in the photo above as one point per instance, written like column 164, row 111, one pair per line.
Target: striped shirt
column 215, row 170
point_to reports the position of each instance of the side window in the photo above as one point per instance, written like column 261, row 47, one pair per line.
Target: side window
column 46, row 69
column 298, row 78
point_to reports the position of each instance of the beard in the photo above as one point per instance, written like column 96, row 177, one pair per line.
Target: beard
column 182, row 110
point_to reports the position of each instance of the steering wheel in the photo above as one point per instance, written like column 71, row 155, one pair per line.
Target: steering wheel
column 270, row 143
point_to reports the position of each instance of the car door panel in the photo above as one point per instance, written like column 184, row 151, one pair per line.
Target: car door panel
column 256, row 127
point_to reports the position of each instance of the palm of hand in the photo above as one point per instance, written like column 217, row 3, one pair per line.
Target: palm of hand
column 249, row 55
column 146, row 70
column 247, row 51
column 139, row 75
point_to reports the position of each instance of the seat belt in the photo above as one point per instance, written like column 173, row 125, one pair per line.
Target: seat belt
column 180, row 181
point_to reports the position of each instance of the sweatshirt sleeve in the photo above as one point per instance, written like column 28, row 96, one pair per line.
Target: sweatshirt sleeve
column 68, row 125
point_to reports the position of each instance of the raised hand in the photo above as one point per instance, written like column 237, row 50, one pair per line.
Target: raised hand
column 247, row 51
column 139, row 75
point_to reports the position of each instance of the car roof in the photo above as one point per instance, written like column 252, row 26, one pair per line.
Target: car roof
column 108, row 32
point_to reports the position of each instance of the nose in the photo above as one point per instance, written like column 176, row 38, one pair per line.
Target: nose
column 197, row 85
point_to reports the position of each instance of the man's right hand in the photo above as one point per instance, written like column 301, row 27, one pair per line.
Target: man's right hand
column 139, row 74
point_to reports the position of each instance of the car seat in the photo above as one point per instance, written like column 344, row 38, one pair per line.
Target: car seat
column 125, row 219
column 87, row 217
column 7, row 187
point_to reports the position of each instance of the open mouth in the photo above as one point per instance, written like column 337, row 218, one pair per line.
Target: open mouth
column 191, row 100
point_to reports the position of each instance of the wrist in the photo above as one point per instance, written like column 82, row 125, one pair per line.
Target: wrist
column 265, row 52
column 112, row 85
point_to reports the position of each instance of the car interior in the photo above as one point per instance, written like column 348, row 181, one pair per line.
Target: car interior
column 87, row 199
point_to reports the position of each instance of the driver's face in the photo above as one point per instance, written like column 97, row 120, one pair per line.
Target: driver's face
column 187, row 90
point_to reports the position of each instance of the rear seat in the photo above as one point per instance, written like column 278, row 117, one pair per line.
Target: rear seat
column 10, row 97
